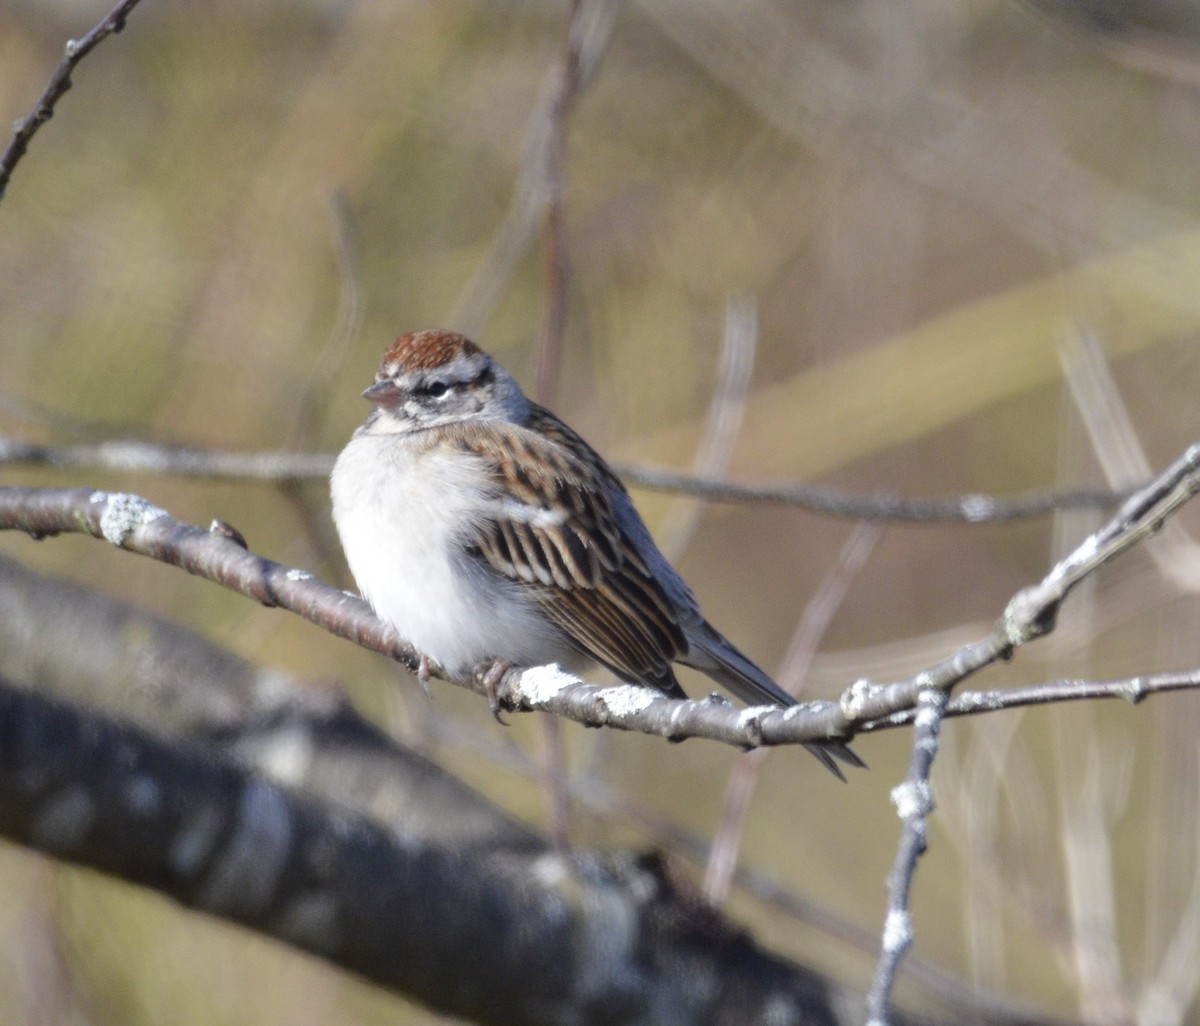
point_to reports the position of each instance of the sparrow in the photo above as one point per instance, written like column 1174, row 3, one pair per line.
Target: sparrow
column 492, row 535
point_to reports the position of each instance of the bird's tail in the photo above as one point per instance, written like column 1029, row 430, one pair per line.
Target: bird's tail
column 712, row 653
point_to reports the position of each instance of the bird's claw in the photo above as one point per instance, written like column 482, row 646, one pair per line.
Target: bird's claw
column 490, row 675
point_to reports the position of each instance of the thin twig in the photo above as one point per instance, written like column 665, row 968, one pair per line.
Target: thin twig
column 1116, row 446
column 747, row 771
column 135, row 524
column 316, row 394
column 1130, row 689
column 555, row 262
column 527, row 207
column 75, row 50
column 722, row 421
column 966, row 509
column 1031, row 614
column 914, row 803
column 1089, row 883
column 131, row 456
column 555, row 277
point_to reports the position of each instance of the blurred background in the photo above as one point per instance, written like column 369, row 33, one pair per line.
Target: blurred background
column 967, row 241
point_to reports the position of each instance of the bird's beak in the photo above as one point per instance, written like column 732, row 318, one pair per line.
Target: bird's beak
column 385, row 391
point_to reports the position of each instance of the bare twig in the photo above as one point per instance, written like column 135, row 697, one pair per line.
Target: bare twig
column 138, row 526
column 1130, row 689
column 555, row 261
column 722, row 422
column 966, row 509
column 1031, row 614
column 134, row 524
column 590, row 35
column 1174, row 980
column 313, row 404
column 316, row 393
column 131, row 456
column 1116, row 446
column 1090, row 879
column 743, row 779
column 555, row 277
column 914, row 803
column 75, row 50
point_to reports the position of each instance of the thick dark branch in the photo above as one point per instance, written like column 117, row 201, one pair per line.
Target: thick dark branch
column 157, row 675
column 76, row 49
column 141, row 669
column 510, row 935
column 180, row 461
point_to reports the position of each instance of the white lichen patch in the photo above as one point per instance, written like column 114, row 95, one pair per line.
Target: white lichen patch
column 971, row 701
column 913, row 798
column 549, row 870
column 855, row 697
column 124, row 514
column 752, row 715
column 930, row 706
column 540, row 684
column 897, row 931
column 628, row 699
column 978, row 507
column 298, row 575
column 286, row 755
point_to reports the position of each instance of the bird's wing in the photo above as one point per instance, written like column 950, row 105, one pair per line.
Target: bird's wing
column 551, row 526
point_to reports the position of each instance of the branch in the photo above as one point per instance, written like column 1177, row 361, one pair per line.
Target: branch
column 965, row 509
column 744, row 777
column 1130, row 689
column 152, row 673
column 556, row 267
column 502, row 933
column 590, row 28
column 128, row 456
column 134, row 524
column 914, row 804
column 76, row 49
column 1030, row 614
column 138, row 526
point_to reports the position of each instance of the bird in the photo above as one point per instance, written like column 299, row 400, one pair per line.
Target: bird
column 491, row 535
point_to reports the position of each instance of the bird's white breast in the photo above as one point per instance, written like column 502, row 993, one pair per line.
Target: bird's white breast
column 405, row 512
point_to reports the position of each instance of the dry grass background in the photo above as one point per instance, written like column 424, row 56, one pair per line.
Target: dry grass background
column 240, row 204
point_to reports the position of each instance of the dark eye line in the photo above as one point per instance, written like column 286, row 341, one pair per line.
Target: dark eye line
column 430, row 390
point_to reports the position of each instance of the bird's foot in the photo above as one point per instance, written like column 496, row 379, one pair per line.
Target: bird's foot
column 490, row 674
column 424, row 673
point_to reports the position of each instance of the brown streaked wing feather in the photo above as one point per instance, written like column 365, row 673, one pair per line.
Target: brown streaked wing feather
column 585, row 573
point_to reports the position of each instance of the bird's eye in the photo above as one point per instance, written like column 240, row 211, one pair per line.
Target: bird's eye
column 437, row 389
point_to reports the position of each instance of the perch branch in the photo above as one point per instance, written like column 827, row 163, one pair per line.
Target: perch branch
column 138, row 526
